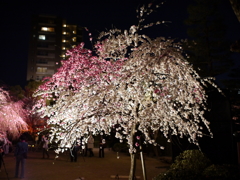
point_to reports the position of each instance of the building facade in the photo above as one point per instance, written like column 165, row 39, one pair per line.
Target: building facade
column 50, row 37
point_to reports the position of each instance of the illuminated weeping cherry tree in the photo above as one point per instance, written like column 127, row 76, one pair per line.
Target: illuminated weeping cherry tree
column 143, row 85
column 12, row 116
column 157, row 90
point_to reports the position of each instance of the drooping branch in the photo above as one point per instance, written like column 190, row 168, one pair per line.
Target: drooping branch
column 236, row 8
column 12, row 115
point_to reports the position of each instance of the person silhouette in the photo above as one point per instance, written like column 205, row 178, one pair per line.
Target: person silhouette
column 90, row 145
column 21, row 154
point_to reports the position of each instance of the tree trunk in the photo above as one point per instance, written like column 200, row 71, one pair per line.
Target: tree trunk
column 155, row 148
column 143, row 164
column 132, row 155
column 133, row 166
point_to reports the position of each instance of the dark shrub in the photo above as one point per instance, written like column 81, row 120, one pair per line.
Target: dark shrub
column 193, row 165
column 221, row 172
column 188, row 165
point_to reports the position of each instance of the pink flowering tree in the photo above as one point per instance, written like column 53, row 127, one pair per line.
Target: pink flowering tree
column 74, row 90
column 144, row 85
column 12, row 116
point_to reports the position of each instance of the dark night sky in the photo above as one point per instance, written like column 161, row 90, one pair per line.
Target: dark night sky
column 96, row 15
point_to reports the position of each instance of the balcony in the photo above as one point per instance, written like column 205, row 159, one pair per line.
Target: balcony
column 45, row 72
column 49, row 47
column 46, row 55
column 46, row 63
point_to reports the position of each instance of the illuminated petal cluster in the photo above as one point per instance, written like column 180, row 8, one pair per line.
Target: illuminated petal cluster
column 12, row 115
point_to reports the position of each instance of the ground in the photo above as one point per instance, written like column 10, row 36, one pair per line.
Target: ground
column 91, row 168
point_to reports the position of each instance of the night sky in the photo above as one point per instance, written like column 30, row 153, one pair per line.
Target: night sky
column 96, row 15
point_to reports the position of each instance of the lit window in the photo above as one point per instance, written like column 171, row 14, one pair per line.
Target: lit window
column 74, row 39
column 44, row 28
column 64, row 25
column 41, row 69
column 63, row 48
column 64, row 33
column 73, row 46
column 42, row 37
column 74, row 32
column 49, row 29
column 64, row 40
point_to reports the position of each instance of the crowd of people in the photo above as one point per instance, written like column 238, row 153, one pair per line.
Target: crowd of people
column 21, row 150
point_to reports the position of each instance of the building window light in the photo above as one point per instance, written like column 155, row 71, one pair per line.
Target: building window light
column 41, row 69
column 74, row 39
column 64, row 33
column 44, row 29
column 42, row 37
column 64, row 25
column 64, row 40
column 74, row 32
column 63, row 48
column 48, row 29
column 73, row 46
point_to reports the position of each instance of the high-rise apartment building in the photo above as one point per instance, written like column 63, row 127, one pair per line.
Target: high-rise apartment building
column 50, row 37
